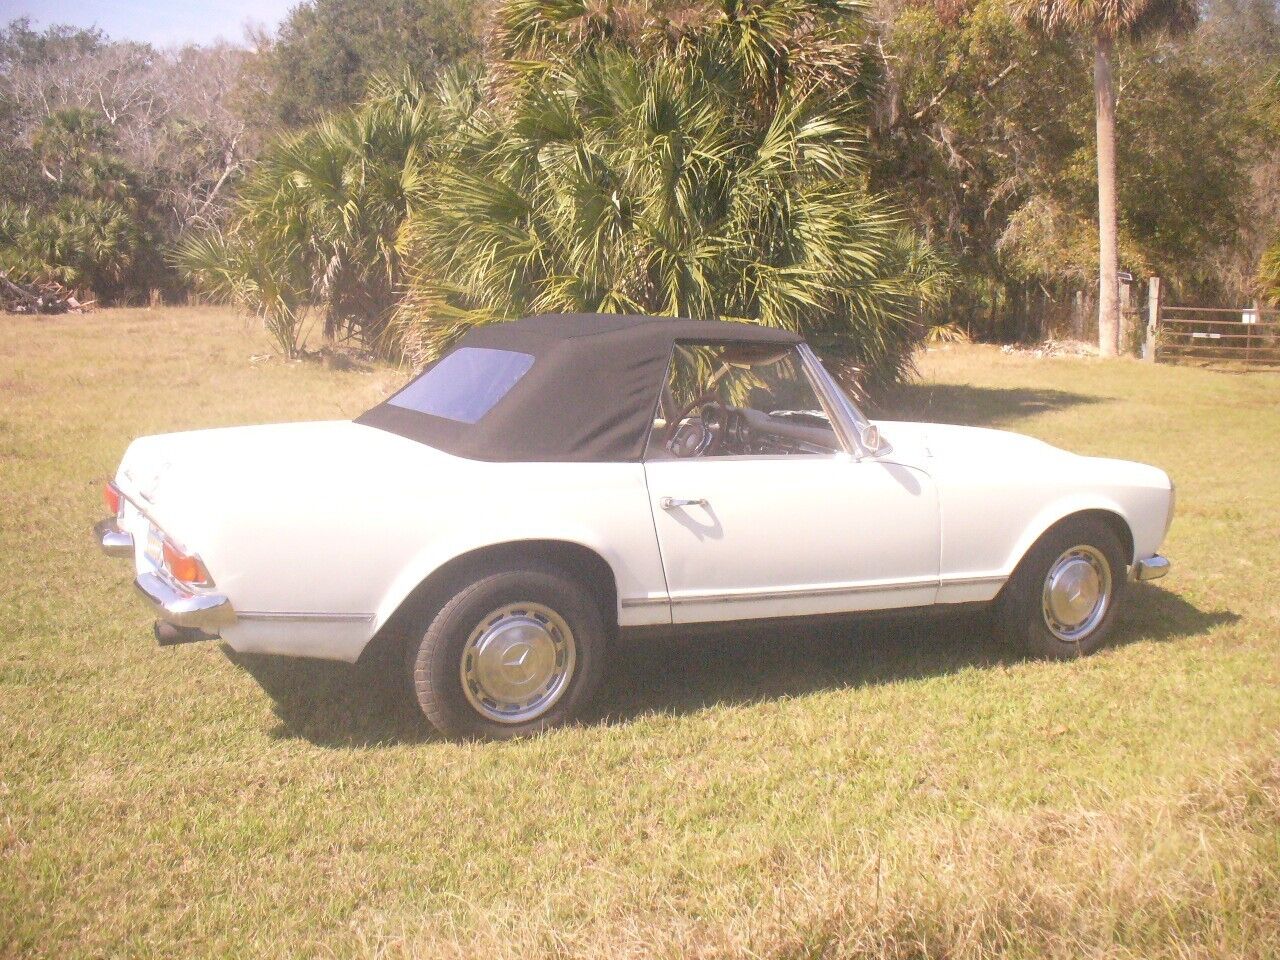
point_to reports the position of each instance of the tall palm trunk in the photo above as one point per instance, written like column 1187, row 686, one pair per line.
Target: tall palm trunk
column 1108, row 251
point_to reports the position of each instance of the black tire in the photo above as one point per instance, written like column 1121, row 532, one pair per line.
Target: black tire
column 436, row 665
column 1021, row 614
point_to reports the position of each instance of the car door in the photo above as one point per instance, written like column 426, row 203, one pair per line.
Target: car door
column 764, row 533
column 789, row 536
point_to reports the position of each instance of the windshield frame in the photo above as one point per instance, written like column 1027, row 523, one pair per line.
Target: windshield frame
column 849, row 421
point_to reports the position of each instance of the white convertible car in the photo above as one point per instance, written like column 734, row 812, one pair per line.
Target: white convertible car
column 557, row 481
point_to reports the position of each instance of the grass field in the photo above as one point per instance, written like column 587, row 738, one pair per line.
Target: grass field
column 904, row 790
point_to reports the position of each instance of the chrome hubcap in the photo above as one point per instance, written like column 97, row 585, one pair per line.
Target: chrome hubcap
column 517, row 662
column 1077, row 593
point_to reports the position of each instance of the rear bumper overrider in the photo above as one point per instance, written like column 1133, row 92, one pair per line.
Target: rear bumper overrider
column 172, row 602
column 113, row 541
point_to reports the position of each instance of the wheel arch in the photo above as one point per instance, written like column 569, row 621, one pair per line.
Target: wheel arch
column 583, row 563
column 1110, row 515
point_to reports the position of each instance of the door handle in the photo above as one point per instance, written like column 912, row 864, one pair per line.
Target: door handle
column 670, row 503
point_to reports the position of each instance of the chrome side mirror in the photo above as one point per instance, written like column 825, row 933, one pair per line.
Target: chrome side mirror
column 870, row 437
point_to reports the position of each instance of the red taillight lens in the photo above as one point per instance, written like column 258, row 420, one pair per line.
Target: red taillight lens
column 183, row 566
column 112, row 497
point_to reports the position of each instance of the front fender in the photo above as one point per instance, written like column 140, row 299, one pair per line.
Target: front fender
column 1054, row 513
column 1139, row 495
column 991, row 517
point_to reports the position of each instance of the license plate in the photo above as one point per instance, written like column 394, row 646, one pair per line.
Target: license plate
column 155, row 545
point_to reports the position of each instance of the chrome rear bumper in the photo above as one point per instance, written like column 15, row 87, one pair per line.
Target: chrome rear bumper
column 1152, row 568
column 172, row 602
column 204, row 611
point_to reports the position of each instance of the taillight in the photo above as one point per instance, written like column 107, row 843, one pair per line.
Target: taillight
column 185, row 567
column 112, row 497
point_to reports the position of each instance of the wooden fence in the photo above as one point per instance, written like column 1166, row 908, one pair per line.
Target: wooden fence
column 1248, row 336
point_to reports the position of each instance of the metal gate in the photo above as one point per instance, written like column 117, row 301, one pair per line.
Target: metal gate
column 1247, row 336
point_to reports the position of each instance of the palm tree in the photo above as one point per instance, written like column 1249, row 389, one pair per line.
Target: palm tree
column 706, row 165
column 1106, row 21
column 269, row 280
column 88, row 245
column 316, row 222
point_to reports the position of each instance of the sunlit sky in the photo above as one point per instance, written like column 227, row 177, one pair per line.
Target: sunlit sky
column 161, row 22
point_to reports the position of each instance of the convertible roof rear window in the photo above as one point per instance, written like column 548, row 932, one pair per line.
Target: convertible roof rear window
column 466, row 384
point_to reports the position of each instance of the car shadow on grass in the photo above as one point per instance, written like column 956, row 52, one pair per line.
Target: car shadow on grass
column 753, row 666
column 368, row 705
column 333, row 704
column 973, row 406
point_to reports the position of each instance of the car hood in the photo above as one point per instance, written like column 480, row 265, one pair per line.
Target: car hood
column 944, row 441
column 950, row 452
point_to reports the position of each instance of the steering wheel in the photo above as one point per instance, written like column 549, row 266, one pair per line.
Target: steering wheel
column 702, row 438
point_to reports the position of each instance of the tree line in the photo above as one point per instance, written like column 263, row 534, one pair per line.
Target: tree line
column 110, row 151
column 868, row 172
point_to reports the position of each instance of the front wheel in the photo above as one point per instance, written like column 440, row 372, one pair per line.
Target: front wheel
column 1062, row 600
column 514, row 653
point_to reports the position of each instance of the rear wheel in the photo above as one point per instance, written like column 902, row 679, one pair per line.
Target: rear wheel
column 1062, row 600
column 514, row 653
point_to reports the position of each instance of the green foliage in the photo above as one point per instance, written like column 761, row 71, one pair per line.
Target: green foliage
column 1268, row 279
column 1183, row 144
column 1088, row 18
column 19, row 44
column 712, row 167
column 267, row 280
column 84, row 244
column 706, row 164
column 1270, row 99
column 1269, row 274
column 981, row 114
column 978, row 130
column 317, row 220
column 108, row 150
column 986, row 137
column 87, row 230
column 75, row 150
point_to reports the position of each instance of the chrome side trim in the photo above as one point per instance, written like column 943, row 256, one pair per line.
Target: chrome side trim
column 849, row 590
column 628, row 603
column 846, row 590
column 113, row 541
column 971, row 581
column 205, row 611
column 1152, row 568
column 296, row 616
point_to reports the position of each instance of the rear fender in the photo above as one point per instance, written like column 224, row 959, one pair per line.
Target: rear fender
column 439, row 553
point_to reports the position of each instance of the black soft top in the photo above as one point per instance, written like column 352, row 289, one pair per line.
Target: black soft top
column 589, row 395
